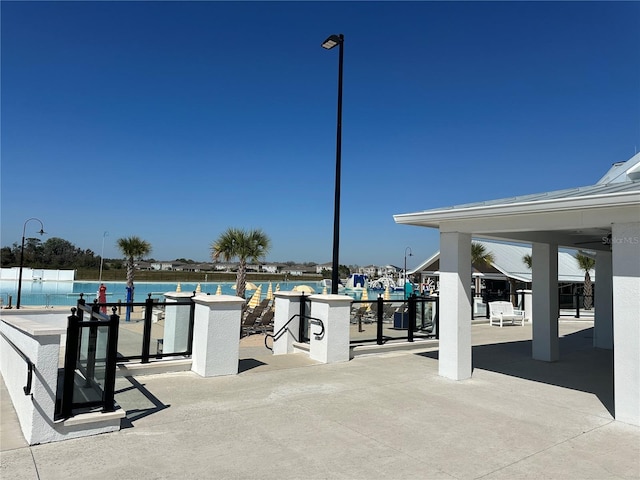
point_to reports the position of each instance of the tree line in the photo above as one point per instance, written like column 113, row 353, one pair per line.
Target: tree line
column 53, row 253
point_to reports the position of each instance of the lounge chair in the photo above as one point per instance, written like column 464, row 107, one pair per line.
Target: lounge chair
column 266, row 321
column 248, row 325
column 358, row 314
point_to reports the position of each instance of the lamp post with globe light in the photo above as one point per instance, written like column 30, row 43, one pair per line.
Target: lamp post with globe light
column 24, row 228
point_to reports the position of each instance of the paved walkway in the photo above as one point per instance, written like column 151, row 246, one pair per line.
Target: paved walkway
column 381, row 416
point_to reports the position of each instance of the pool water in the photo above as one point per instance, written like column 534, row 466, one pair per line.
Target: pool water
column 51, row 293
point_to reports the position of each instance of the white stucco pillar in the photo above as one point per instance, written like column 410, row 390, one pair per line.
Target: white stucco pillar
column 455, row 305
column 603, row 319
column 334, row 312
column 625, row 243
column 216, row 335
column 544, row 276
column 176, row 323
column 287, row 306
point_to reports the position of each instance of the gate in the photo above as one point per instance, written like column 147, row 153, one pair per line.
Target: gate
column 90, row 361
column 96, row 342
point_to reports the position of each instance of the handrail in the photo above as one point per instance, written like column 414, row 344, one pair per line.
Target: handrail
column 279, row 333
column 30, row 365
column 284, row 328
column 317, row 321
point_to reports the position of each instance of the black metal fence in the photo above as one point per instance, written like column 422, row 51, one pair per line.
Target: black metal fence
column 96, row 342
column 566, row 301
column 157, row 330
column 381, row 321
column 90, row 361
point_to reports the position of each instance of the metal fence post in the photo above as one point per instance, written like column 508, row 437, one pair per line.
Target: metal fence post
column 302, row 333
column 192, row 316
column 112, row 354
column 485, row 300
column 411, row 321
column 577, row 305
column 70, row 360
column 380, row 316
column 146, row 331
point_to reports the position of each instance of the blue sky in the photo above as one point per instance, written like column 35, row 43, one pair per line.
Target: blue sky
column 176, row 120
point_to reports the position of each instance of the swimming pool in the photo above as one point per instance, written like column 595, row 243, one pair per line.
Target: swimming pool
column 50, row 293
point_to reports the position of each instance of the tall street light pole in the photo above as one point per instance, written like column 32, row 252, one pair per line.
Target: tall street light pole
column 24, row 228
column 105, row 234
column 328, row 44
column 407, row 252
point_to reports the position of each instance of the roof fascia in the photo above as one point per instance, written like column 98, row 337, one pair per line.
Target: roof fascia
column 547, row 206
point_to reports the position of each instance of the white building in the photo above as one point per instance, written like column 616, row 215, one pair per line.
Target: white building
column 508, row 270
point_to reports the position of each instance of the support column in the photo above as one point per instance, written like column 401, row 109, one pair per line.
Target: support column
column 455, row 305
column 625, row 242
column 216, row 335
column 334, row 312
column 544, row 276
column 603, row 319
column 287, row 306
column 176, row 323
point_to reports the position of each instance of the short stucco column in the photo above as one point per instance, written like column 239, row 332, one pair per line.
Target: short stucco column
column 544, row 279
column 528, row 304
column 334, row 312
column 37, row 334
column 454, row 360
column 176, row 323
column 603, row 319
column 625, row 243
column 287, row 307
column 216, row 334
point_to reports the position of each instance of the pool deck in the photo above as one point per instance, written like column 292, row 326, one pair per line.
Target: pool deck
column 387, row 415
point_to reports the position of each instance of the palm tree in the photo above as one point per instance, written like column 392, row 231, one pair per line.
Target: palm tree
column 586, row 263
column 527, row 260
column 132, row 248
column 480, row 256
column 245, row 245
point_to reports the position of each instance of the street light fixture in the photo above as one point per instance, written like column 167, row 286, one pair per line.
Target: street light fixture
column 24, row 228
column 328, row 44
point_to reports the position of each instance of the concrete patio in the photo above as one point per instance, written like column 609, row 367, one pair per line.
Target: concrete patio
column 388, row 415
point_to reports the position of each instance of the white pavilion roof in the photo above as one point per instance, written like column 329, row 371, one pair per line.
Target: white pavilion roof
column 508, row 260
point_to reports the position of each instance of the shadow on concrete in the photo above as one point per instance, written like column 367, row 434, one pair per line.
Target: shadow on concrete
column 580, row 367
column 245, row 364
column 134, row 414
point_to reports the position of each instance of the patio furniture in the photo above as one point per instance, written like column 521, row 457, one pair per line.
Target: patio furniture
column 266, row 321
column 503, row 312
column 249, row 324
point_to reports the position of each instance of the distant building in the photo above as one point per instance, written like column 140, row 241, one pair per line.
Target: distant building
column 324, row 266
column 508, row 272
column 370, row 270
column 271, row 268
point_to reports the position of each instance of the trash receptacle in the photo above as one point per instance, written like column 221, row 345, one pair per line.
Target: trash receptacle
column 400, row 320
